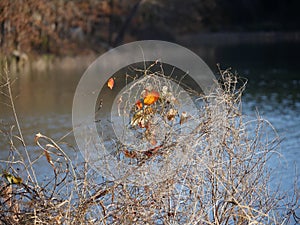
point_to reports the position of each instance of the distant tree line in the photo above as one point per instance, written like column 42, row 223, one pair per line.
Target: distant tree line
column 48, row 26
column 65, row 27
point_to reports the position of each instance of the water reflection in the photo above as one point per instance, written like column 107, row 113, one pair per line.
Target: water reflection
column 42, row 93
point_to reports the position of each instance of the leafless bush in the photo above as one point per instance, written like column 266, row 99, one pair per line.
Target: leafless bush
column 224, row 180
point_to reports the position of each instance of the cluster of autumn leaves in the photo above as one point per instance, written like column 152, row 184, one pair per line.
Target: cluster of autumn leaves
column 153, row 102
column 150, row 104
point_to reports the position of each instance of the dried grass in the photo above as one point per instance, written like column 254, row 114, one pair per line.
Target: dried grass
column 225, row 180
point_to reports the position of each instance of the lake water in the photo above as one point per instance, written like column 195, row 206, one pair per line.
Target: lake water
column 44, row 99
column 273, row 73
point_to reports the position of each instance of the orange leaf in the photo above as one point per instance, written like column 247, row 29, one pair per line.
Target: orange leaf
column 129, row 154
column 139, row 104
column 151, row 97
column 111, row 83
column 152, row 151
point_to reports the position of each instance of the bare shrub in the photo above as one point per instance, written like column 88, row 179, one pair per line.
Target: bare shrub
column 224, row 180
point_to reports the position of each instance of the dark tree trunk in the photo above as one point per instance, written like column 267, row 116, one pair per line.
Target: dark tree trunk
column 120, row 37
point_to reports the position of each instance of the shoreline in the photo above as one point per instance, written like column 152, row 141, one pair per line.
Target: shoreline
column 211, row 39
column 43, row 63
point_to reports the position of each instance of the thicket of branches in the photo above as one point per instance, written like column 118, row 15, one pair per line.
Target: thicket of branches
column 225, row 180
column 57, row 27
column 65, row 27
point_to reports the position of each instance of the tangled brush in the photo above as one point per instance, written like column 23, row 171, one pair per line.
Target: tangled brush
column 202, row 160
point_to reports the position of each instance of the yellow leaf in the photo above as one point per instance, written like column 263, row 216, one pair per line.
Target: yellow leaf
column 12, row 179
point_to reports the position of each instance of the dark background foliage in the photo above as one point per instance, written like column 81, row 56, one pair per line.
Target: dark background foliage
column 77, row 27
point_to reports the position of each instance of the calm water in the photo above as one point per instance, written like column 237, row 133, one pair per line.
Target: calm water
column 44, row 100
column 273, row 73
